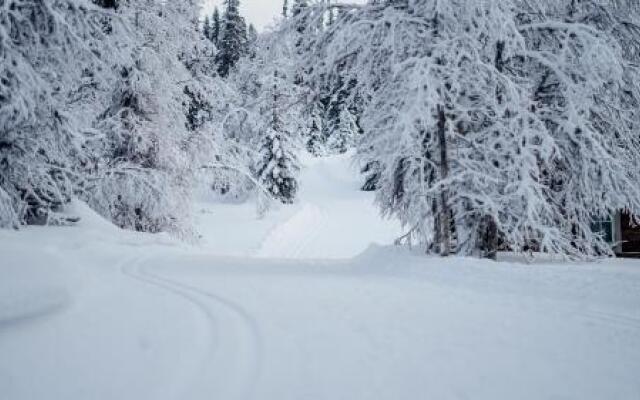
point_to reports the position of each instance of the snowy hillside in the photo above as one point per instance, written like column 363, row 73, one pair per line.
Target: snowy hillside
column 93, row 312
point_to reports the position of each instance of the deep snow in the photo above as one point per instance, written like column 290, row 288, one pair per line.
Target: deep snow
column 300, row 305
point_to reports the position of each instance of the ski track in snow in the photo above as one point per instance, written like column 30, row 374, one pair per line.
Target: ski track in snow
column 291, row 238
column 230, row 366
column 22, row 309
column 24, row 299
column 613, row 319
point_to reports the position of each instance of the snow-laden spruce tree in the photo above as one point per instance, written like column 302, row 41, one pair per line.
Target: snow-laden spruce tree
column 258, row 112
column 216, row 27
column 48, row 52
column 315, row 131
column 232, row 41
column 206, row 28
column 278, row 167
column 470, row 152
column 277, row 113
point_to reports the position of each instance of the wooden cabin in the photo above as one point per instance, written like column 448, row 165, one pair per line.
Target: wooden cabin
column 627, row 235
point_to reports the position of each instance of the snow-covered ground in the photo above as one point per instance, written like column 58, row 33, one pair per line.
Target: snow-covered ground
column 300, row 305
column 332, row 219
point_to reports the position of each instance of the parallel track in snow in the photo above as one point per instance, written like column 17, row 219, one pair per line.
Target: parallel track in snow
column 230, row 364
column 291, row 239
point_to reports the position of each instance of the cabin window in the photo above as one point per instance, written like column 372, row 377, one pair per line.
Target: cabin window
column 604, row 227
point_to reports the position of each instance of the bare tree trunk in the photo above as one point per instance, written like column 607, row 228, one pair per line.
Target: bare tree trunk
column 445, row 214
column 489, row 237
column 434, row 247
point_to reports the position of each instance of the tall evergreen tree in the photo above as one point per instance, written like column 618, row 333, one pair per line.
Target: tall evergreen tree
column 267, row 115
column 215, row 27
column 316, row 138
column 332, row 16
column 233, row 40
column 206, row 28
column 278, row 167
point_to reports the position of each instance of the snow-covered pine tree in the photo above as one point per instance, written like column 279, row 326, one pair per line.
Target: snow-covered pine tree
column 316, row 133
column 331, row 14
column 206, row 28
column 216, row 27
column 199, row 57
column 271, row 114
column 278, row 167
column 233, row 38
column 244, row 115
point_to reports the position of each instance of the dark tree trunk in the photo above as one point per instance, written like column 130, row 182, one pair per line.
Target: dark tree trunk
column 488, row 238
column 445, row 214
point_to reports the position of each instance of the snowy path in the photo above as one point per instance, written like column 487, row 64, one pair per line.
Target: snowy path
column 333, row 219
column 95, row 313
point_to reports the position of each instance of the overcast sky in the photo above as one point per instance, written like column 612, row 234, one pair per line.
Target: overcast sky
column 260, row 13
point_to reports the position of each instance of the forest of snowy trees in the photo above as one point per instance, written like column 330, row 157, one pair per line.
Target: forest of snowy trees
column 482, row 125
